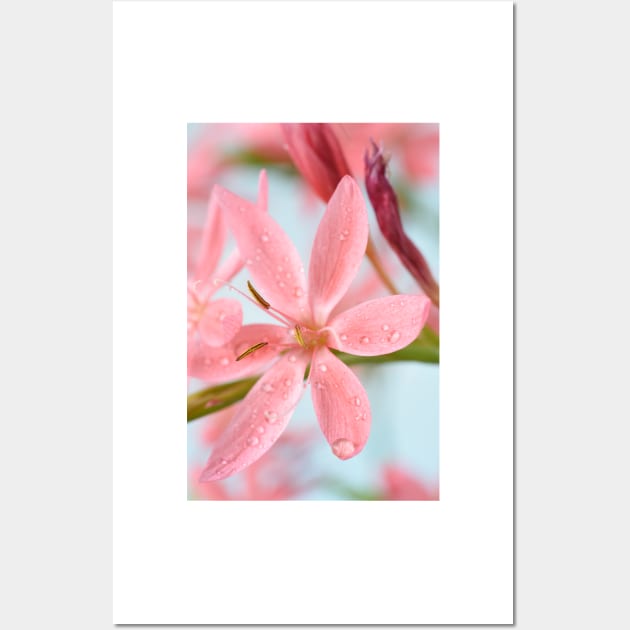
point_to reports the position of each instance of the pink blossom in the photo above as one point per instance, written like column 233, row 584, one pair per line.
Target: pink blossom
column 309, row 332
column 216, row 320
column 215, row 334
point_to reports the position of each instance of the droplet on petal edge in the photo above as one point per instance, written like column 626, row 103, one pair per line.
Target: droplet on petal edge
column 252, row 441
column 323, row 367
column 365, row 340
column 394, row 337
column 267, row 387
column 357, row 401
column 343, row 448
column 271, row 416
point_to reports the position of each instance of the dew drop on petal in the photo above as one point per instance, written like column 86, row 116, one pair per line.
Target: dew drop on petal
column 287, row 382
column 365, row 340
column 360, row 416
column 280, row 267
column 385, row 327
column 323, row 367
column 224, row 360
column 343, row 448
column 264, row 237
column 281, row 284
column 267, row 387
column 285, row 396
column 298, row 292
column 394, row 337
column 260, row 429
column 223, row 461
column 357, row 401
column 252, row 441
column 271, row 416
column 250, row 261
column 343, row 337
column 292, row 359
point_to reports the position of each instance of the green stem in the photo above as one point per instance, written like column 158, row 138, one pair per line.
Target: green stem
column 425, row 349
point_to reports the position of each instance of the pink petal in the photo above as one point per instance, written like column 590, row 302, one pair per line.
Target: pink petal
column 261, row 419
column 380, row 326
column 341, row 404
column 220, row 321
column 218, row 365
column 338, row 249
column 234, row 263
column 212, row 241
column 271, row 258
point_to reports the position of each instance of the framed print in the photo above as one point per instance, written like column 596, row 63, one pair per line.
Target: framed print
column 332, row 183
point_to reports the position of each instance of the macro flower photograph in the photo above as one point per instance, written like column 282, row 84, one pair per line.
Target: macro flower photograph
column 313, row 311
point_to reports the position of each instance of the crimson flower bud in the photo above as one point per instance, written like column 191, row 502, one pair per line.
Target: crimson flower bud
column 385, row 204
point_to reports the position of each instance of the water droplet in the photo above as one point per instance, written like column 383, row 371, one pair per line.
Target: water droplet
column 360, row 416
column 287, row 382
column 257, row 257
column 260, row 429
column 221, row 316
column 357, row 401
column 288, row 275
column 271, row 416
column 343, row 448
column 342, row 236
column 298, row 292
column 292, row 359
column 281, row 284
column 286, row 259
column 385, row 327
column 343, row 337
column 264, row 237
column 285, row 396
column 223, row 461
column 252, row 441
column 365, row 340
column 249, row 261
column 224, row 360
column 394, row 337
column 280, row 268
column 323, row 367
column 267, row 387
column 319, row 385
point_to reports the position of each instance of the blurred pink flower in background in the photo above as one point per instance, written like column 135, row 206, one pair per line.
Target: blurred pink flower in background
column 279, row 475
column 400, row 485
column 377, row 327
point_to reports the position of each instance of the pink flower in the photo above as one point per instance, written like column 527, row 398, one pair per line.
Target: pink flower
column 379, row 326
column 215, row 334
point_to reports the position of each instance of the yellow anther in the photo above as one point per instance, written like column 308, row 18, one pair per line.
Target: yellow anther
column 298, row 336
column 255, row 347
column 259, row 298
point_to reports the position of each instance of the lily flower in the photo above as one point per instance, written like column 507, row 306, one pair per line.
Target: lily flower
column 309, row 331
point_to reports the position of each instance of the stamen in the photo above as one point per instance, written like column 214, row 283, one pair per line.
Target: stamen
column 259, row 298
column 270, row 310
column 255, row 347
column 298, row 336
